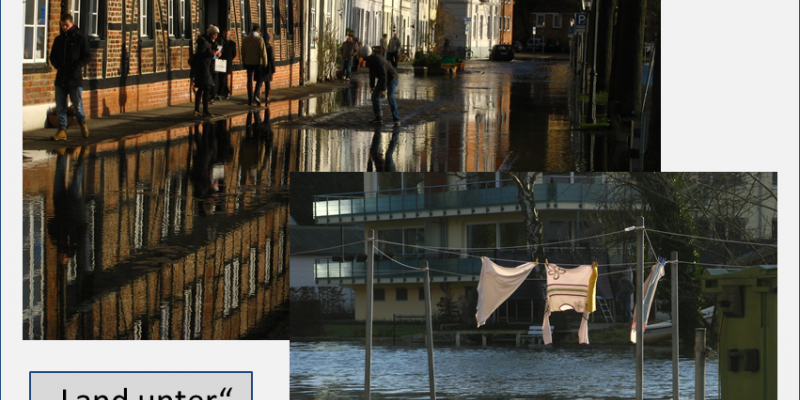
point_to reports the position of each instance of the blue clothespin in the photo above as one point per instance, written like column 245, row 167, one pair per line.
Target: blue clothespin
column 662, row 260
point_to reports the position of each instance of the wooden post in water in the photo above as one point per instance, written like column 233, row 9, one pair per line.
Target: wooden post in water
column 639, row 306
column 429, row 331
column 676, row 395
column 700, row 364
column 368, row 345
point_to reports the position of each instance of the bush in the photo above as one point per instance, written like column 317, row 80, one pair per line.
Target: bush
column 429, row 59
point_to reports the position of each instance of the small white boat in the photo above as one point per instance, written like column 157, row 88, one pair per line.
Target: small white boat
column 663, row 330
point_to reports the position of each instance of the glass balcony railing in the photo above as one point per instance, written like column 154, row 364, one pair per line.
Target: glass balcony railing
column 473, row 197
column 356, row 268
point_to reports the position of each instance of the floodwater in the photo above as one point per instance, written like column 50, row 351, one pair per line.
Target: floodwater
column 517, row 116
column 325, row 370
column 178, row 234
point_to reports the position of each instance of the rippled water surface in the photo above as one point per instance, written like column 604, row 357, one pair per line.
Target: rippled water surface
column 322, row 370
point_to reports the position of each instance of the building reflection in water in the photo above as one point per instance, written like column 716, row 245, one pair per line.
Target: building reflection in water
column 179, row 234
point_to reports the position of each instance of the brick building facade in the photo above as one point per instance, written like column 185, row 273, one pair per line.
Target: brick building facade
column 140, row 49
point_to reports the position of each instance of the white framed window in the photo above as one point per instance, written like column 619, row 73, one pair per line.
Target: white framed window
column 171, row 17
column 556, row 20
column 35, row 31
column 94, row 18
column 246, row 25
column 143, row 20
column 540, row 20
column 75, row 10
column 182, row 15
column 481, row 27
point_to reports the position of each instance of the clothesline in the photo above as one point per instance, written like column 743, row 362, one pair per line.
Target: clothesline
column 467, row 275
column 329, row 248
column 502, row 248
column 712, row 239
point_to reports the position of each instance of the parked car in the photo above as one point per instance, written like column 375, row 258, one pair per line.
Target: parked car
column 553, row 46
column 535, row 44
column 517, row 46
column 502, row 52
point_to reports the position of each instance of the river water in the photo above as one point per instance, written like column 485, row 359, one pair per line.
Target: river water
column 325, row 370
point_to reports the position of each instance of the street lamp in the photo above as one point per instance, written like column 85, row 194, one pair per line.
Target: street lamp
column 596, row 8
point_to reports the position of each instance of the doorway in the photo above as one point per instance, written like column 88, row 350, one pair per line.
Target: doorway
column 216, row 12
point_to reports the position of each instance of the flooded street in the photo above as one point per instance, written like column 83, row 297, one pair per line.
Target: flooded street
column 179, row 234
column 324, row 370
column 517, row 116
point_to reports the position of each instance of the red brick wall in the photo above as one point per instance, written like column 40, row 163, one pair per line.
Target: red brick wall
column 38, row 87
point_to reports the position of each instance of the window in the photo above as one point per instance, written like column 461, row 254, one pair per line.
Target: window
column 557, row 21
column 170, row 17
column 401, row 294
column 290, row 18
column 379, row 294
column 407, row 236
column 94, row 18
column 421, row 294
column 144, row 28
column 258, row 6
column 75, row 10
column 276, row 17
column 245, row 11
column 774, row 180
column 35, row 31
column 481, row 28
column 539, row 20
column 186, row 23
column 313, row 40
column 483, row 236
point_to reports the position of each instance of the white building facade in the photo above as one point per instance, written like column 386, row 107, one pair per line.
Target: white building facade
column 475, row 25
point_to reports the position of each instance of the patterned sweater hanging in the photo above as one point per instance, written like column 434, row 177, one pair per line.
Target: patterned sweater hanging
column 570, row 289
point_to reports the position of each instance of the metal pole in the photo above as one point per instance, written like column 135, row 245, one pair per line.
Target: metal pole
column 700, row 364
column 639, row 297
column 429, row 329
column 675, row 377
column 593, row 115
column 370, row 266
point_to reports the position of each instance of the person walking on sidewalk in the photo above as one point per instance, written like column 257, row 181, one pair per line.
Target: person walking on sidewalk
column 69, row 54
column 216, row 48
column 387, row 79
column 393, row 50
column 268, row 70
column 348, row 53
column 201, row 68
column 384, row 45
column 228, row 54
column 254, row 58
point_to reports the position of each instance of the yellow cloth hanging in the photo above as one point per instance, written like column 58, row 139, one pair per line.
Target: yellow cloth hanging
column 591, row 298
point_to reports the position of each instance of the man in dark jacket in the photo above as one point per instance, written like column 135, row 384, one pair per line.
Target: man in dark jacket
column 69, row 54
column 393, row 51
column 624, row 290
column 268, row 70
column 228, row 54
column 387, row 79
column 348, row 52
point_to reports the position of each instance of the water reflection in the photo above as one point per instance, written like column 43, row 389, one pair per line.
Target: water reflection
column 501, row 116
column 178, row 234
column 324, row 370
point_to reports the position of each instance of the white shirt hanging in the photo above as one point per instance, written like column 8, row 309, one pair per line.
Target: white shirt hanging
column 496, row 285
